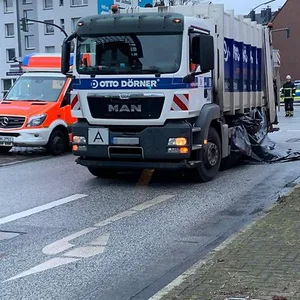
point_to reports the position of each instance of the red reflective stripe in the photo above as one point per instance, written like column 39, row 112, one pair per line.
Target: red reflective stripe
column 180, row 103
column 74, row 101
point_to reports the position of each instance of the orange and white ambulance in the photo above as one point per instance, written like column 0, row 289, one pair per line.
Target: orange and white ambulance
column 37, row 111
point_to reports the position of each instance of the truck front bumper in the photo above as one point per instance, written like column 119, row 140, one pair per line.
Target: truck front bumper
column 128, row 148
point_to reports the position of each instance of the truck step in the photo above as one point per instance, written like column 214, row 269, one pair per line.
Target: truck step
column 196, row 129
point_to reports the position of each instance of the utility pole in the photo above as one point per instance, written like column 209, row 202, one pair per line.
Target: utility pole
column 19, row 32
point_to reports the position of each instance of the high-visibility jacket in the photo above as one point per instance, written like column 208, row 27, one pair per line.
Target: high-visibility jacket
column 288, row 90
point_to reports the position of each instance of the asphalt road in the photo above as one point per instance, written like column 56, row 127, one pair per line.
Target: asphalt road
column 67, row 235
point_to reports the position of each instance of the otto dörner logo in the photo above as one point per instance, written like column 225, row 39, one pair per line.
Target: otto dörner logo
column 4, row 121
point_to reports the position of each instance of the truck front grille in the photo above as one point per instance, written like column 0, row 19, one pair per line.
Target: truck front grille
column 9, row 122
column 132, row 108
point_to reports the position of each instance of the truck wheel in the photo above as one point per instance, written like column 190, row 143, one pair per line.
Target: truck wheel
column 4, row 149
column 211, row 157
column 57, row 143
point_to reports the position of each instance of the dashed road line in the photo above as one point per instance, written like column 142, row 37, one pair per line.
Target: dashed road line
column 41, row 208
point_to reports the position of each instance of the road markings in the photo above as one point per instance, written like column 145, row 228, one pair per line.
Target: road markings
column 134, row 210
column 41, row 208
column 49, row 264
column 63, row 244
column 95, row 247
column 5, row 235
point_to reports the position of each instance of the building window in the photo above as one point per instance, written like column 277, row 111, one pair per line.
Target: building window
column 10, row 54
column 74, row 23
column 79, row 2
column 27, row 1
column 48, row 4
column 61, row 2
column 29, row 42
column 27, row 14
column 50, row 49
column 6, row 85
column 8, row 6
column 62, row 23
column 49, row 29
column 9, row 30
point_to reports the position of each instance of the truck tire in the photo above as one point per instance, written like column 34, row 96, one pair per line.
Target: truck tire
column 57, row 143
column 211, row 157
column 102, row 172
column 4, row 149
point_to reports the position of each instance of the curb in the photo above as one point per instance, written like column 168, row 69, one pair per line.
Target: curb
column 285, row 192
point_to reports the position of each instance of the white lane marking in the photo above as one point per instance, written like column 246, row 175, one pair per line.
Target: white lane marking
column 63, row 244
column 96, row 246
column 101, row 240
column 49, row 264
column 41, row 208
column 85, row 252
column 134, row 210
column 8, row 235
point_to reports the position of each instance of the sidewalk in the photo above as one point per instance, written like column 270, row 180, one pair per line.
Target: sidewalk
column 261, row 262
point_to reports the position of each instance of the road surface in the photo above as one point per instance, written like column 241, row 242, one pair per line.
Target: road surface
column 65, row 234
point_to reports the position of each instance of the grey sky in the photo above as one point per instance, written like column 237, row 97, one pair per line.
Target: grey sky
column 244, row 6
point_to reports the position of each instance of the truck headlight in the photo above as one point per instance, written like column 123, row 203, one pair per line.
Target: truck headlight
column 79, row 139
column 179, row 141
column 36, row 120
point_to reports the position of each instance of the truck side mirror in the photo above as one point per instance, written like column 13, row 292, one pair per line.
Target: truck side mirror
column 203, row 52
column 65, row 57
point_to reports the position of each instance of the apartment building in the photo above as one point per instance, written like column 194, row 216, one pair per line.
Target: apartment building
column 15, row 43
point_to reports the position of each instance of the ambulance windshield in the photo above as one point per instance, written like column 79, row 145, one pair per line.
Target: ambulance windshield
column 129, row 54
column 36, row 88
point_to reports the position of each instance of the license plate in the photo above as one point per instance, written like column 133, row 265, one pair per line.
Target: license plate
column 98, row 136
column 6, row 140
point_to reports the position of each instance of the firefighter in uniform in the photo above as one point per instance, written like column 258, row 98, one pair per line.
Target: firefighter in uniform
column 288, row 93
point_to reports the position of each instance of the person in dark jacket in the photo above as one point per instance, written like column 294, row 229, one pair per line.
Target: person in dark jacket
column 288, row 93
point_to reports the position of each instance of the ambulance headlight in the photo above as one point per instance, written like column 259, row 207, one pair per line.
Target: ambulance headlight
column 36, row 120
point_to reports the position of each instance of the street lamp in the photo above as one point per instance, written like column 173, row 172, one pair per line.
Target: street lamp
column 253, row 10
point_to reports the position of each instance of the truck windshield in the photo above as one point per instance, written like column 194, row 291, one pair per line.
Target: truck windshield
column 129, row 54
column 33, row 88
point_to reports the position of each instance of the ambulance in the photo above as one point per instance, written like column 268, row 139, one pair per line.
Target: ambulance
column 36, row 110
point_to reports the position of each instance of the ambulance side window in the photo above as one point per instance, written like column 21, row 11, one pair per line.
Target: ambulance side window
column 67, row 97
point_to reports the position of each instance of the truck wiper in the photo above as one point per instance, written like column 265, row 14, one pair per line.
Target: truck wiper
column 155, row 71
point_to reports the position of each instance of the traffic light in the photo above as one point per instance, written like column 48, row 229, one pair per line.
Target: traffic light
column 24, row 26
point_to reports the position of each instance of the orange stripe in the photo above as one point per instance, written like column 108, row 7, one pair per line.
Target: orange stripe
column 44, row 61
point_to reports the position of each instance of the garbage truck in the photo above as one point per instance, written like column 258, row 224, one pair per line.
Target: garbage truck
column 158, row 88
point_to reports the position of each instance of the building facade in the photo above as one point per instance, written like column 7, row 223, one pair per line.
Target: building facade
column 288, row 17
column 15, row 43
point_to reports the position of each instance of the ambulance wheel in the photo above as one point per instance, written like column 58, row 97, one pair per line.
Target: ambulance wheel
column 57, row 143
column 4, row 149
column 210, row 157
column 102, row 172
